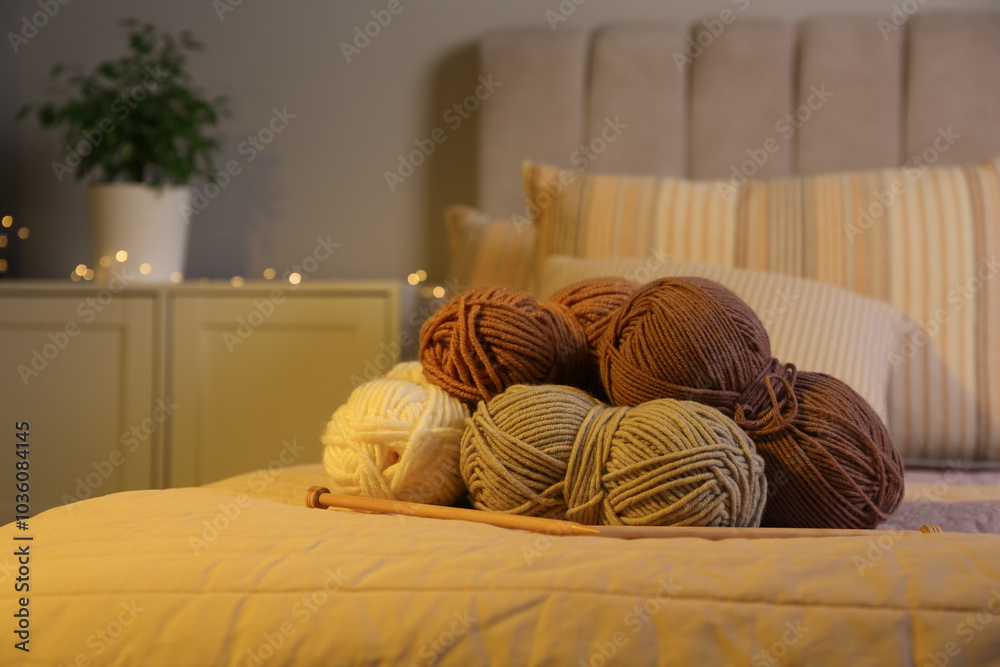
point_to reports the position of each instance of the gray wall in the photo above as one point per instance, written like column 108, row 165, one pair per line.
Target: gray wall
column 324, row 173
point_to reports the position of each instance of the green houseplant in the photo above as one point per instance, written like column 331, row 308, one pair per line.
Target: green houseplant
column 137, row 130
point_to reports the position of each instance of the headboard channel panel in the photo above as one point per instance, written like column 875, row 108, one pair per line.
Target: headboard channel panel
column 741, row 87
column 953, row 83
column 895, row 93
column 537, row 110
column 635, row 79
column 851, row 85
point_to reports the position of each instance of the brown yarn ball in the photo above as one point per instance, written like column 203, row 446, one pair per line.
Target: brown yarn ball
column 830, row 460
column 835, row 465
column 593, row 302
column 557, row 452
column 490, row 338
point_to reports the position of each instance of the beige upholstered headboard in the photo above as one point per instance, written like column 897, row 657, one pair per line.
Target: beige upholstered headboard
column 701, row 104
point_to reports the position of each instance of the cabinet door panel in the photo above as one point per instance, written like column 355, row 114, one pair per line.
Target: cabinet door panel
column 256, row 390
column 84, row 380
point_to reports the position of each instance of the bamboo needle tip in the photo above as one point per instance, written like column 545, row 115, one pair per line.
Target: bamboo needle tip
column 313, row 494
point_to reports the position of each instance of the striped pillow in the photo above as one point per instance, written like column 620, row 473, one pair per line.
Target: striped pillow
column 817, row 327
column 629, row 216
column 489, row 251
column 924, row 239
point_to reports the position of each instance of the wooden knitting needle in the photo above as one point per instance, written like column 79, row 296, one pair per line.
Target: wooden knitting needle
column 320, row 497
column 317, row 496
column 722, row 533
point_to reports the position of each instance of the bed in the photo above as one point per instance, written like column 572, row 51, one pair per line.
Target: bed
column 241, row 572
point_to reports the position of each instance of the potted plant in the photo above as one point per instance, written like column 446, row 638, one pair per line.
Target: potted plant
column 138, row 131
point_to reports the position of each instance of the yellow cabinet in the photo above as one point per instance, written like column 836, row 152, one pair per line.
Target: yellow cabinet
column 80, row 367
column 257, row 372
column 179, row 385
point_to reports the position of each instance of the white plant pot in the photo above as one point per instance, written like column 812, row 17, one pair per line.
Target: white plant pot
column 149, row 223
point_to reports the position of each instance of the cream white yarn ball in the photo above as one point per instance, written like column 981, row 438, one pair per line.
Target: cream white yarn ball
column 408, row 370
column 397, row 437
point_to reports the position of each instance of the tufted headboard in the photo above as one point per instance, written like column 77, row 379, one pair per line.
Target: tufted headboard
column 733, row 95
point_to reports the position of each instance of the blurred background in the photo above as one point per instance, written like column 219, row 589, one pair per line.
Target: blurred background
column 351, row 105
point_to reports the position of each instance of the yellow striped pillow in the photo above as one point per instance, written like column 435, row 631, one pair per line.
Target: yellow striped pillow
column 629, row 216
column 489, row 251
column 924, row 239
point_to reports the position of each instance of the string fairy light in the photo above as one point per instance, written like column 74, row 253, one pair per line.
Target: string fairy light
column 7, row 234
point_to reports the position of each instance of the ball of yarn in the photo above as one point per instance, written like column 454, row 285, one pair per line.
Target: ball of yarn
column 398, row 438
column 407, row 370
column 592, row 302
column 556, row 452
column 490, row 338
column 830, row 460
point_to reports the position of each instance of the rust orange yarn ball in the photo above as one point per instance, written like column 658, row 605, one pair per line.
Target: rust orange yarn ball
column 490, row 338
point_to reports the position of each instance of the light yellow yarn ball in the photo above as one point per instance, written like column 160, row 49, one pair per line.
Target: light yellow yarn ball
column 397, row 438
